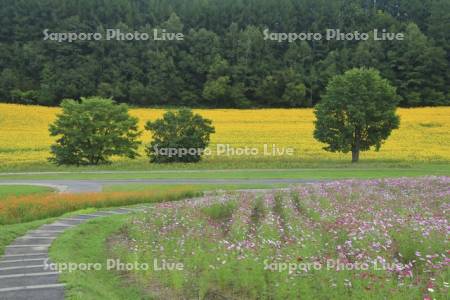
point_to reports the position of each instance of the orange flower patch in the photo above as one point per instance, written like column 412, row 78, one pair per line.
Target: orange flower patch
column 35, row 207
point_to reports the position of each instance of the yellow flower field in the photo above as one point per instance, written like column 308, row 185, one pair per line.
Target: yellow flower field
column 424, row 133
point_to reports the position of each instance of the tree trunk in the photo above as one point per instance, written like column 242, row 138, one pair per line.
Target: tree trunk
column 355, row 155
column 356, row 147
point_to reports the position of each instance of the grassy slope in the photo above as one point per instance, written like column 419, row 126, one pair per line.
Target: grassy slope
column 20, row 190
column 80, row 245
column 321, row 172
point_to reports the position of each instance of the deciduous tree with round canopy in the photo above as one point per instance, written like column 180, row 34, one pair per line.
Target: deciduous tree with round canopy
column 357, row 112
column 183, row 132
column 92, row 130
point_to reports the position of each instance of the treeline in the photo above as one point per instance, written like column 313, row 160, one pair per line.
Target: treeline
column 224, row 60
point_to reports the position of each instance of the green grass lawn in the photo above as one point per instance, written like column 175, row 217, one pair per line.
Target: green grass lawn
column 321, row 172
column 87, row 243
column 225, row 163
column 20, row 190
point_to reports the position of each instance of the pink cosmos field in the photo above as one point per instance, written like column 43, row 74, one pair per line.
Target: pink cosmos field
column 359, row 239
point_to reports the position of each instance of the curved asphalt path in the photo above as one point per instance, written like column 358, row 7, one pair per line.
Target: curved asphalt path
column 85, row 186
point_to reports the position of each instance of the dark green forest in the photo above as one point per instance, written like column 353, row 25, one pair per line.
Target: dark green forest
column 224, row 60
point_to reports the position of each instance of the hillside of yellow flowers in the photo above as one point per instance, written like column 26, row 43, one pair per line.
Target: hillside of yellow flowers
column 424, row 133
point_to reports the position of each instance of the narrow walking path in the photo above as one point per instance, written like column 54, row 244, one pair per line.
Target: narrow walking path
column 23, row 274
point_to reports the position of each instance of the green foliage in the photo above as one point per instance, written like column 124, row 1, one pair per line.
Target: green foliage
column 357, row 112
column 93, row 130
column 278, row 203
column 218, row 90
column 299, row 204
column 220, row 211
column 410, row 245
column 294, row 95
column 182, row 131
column 258, row 211
column 420, row 69
column 28, row 97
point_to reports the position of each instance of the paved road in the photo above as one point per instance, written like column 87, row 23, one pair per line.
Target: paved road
column 84, row 186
